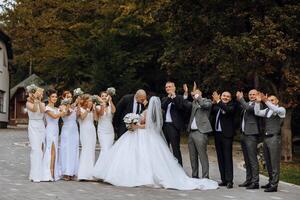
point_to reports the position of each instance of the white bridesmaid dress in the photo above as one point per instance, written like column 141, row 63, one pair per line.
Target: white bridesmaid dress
column 36, row 135
column 105, row 133
column 52, row 134
column 88, row 145
column 69, row 145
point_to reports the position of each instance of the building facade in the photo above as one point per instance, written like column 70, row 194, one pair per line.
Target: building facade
column 5, row 61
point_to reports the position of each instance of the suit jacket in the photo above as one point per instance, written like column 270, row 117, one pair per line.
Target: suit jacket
column 177, row 110
column 226, row 117
column 200, row 110
column 251, row 121
column 124, row 106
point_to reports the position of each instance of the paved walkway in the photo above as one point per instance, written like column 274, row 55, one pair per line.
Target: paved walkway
column 14, row 184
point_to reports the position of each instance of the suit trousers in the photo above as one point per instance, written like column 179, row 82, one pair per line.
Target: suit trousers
column 224, row 154
column 197, row 143
column 172, row 136
column 272, row 155
column 249, row 148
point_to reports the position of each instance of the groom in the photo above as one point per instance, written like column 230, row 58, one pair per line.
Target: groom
column 130, row 103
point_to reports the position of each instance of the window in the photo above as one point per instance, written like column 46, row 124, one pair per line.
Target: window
column 2, row 101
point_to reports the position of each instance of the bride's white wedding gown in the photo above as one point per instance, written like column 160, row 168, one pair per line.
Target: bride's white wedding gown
column 142, row 158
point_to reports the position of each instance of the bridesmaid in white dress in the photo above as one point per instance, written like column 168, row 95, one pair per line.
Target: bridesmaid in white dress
column 51, row 167
column 87, row 114
column 69, row 144
column 36, row 133
column 105, row 131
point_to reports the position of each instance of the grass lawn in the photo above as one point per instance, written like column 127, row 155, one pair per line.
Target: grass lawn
column 289, row 172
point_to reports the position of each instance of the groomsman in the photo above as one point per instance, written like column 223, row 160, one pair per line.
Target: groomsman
column 173, row 108
column 198, row 128
column 273, row 115
column 130, row 103
column 224, row 110
column 250, row 131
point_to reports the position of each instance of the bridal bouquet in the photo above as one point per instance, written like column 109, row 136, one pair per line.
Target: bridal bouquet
column 78, row 92
column 111, row 91
column 31, row 88
column 130, row 119
column 65, row 102
column 95, row 99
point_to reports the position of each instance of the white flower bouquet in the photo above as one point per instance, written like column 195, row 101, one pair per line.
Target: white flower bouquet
column 95, row 99
column 111, row 91
column 130, row 119
column 77, row 92
column 66, row 102
column 32, row 88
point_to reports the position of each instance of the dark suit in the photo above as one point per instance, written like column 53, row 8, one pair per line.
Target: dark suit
column 224, row 138
column 124, row 106
column 250, row 131
column 172, row 129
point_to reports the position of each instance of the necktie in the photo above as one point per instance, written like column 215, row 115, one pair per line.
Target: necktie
column 218, row 120
column 138, row 109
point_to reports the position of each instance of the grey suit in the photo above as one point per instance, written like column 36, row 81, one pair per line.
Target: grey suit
column 273, row 116
column 249, row 140
column 198, row 138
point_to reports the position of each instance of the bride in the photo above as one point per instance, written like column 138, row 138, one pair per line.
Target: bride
column 142, row 158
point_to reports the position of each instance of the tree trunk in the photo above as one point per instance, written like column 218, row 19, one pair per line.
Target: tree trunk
column 286, row 152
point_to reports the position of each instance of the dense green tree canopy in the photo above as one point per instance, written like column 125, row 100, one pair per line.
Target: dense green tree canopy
column 94, row 44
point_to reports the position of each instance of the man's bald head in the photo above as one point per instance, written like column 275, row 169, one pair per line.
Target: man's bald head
column 140, row 95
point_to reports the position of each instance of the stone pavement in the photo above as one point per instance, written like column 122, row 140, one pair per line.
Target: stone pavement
column 14, row 183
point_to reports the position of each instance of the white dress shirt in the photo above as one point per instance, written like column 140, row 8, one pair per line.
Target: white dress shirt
column 168, row 114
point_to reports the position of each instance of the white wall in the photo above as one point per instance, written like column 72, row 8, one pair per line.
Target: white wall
column 4, row 80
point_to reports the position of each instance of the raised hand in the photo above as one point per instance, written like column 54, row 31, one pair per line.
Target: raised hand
column 258, row 96
column 216, row 97
column 239, row 95
column 145, row 102
column 264, row 98
column 194, row 86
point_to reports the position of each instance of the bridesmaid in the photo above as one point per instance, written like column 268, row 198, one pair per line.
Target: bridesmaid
column 69, row 144
column 51, row 167
column 105, row 132
column 36, row 133
column 87, row 114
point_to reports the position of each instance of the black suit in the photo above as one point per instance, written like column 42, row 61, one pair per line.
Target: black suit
column 172, row 129
column 124, row 106
column 224, row 138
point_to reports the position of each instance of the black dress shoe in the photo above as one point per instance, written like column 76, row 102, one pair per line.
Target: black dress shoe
column 266, row 186
column 229, row 185
column 271, row 189
column 245, row 184
column 222, row 184
column 253, row 186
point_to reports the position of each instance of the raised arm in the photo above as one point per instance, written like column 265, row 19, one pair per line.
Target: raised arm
column 246, row 106
column 33, row 107
column 276, row 109
column 204, row 103
column 228, row 108
column 258, row 111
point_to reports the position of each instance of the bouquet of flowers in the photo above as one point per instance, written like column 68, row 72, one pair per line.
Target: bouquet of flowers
column 31, row 88
column 130, row 119
column 111, row 91
column 66, row 102
column 77, row 92
column 95, row 99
